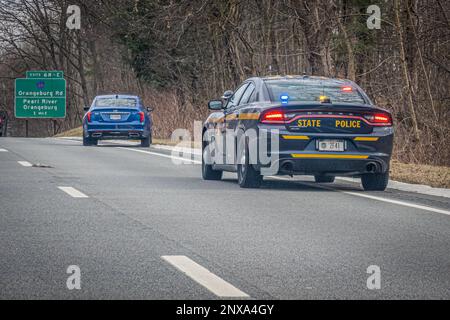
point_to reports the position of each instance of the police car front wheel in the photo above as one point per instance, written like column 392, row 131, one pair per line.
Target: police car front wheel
column 208, row 173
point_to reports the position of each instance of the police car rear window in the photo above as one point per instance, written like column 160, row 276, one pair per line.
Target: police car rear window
column 113, row 102
column 305, row 91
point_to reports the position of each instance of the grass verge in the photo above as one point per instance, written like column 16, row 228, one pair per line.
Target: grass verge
column 434, row 176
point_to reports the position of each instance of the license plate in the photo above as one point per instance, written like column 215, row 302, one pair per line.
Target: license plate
column 115, row 116
column 331, row 145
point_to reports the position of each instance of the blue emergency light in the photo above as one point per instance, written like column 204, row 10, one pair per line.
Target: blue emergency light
column 284, row 97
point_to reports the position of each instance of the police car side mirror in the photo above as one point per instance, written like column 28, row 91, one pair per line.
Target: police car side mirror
column 215, row 105
column 227, row 94
column 86, row 108
column 149, row 109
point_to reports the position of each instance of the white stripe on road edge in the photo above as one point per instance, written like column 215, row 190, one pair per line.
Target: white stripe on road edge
column 403, row 186
column 162, row 155
column 152, row 153
column 194, row 151
column 203, row 276
column 406, row 204
column 25, row 163
column 73, row 192
column 401, row 203
column 3, row 150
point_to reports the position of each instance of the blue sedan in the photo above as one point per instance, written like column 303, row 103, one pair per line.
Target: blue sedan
column 117, row 117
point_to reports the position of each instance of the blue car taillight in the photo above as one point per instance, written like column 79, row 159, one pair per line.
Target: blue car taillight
column 141, row 117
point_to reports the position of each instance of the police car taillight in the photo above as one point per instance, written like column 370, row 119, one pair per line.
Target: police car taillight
column 141, row 116
column 88, row 116
column 379, row 119
column 273, row 116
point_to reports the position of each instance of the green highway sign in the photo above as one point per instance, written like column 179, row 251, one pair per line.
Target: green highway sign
column 40, row 97
column 45, row 74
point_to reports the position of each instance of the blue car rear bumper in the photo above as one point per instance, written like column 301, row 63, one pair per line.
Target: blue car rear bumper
column 116, row 131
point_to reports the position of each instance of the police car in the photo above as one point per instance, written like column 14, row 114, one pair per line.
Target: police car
column 297, row 125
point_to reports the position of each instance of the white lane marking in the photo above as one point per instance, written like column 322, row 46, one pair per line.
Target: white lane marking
column 398, row 202
column 195, row 151
column 161, row 155
column 152, row 153
column 401, row 203
column 25, row 163
column 73, row 192
column 3, row 150
column 408, row 187
column 204, row 277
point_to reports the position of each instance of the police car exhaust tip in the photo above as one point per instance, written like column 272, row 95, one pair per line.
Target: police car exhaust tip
column 371, row 167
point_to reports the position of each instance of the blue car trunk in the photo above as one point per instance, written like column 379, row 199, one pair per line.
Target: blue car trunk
column 115, row 115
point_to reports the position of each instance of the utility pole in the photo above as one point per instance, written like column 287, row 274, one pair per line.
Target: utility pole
column 5, row 115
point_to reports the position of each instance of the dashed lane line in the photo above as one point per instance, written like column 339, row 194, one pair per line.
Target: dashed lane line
column 73, row 192
column 204, row 277
column 25, row 163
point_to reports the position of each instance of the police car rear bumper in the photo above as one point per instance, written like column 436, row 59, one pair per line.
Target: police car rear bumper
column 331, row 166
column 298, row 154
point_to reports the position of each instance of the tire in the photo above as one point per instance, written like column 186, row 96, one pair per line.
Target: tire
column 87, row 141
column 375, row 181
column 94, row 142
column 324, row 179
column 248, row 177
column 208, row 173
column 145, row 143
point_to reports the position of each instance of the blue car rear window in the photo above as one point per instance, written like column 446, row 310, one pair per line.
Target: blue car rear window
column 115, row 102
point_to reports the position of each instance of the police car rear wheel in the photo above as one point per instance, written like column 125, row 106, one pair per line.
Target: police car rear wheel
column 375, row 181
column 248, row 177
column 208, row 173
column 324, row 179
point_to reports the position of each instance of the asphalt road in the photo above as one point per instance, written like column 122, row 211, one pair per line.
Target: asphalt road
column 288, row 240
